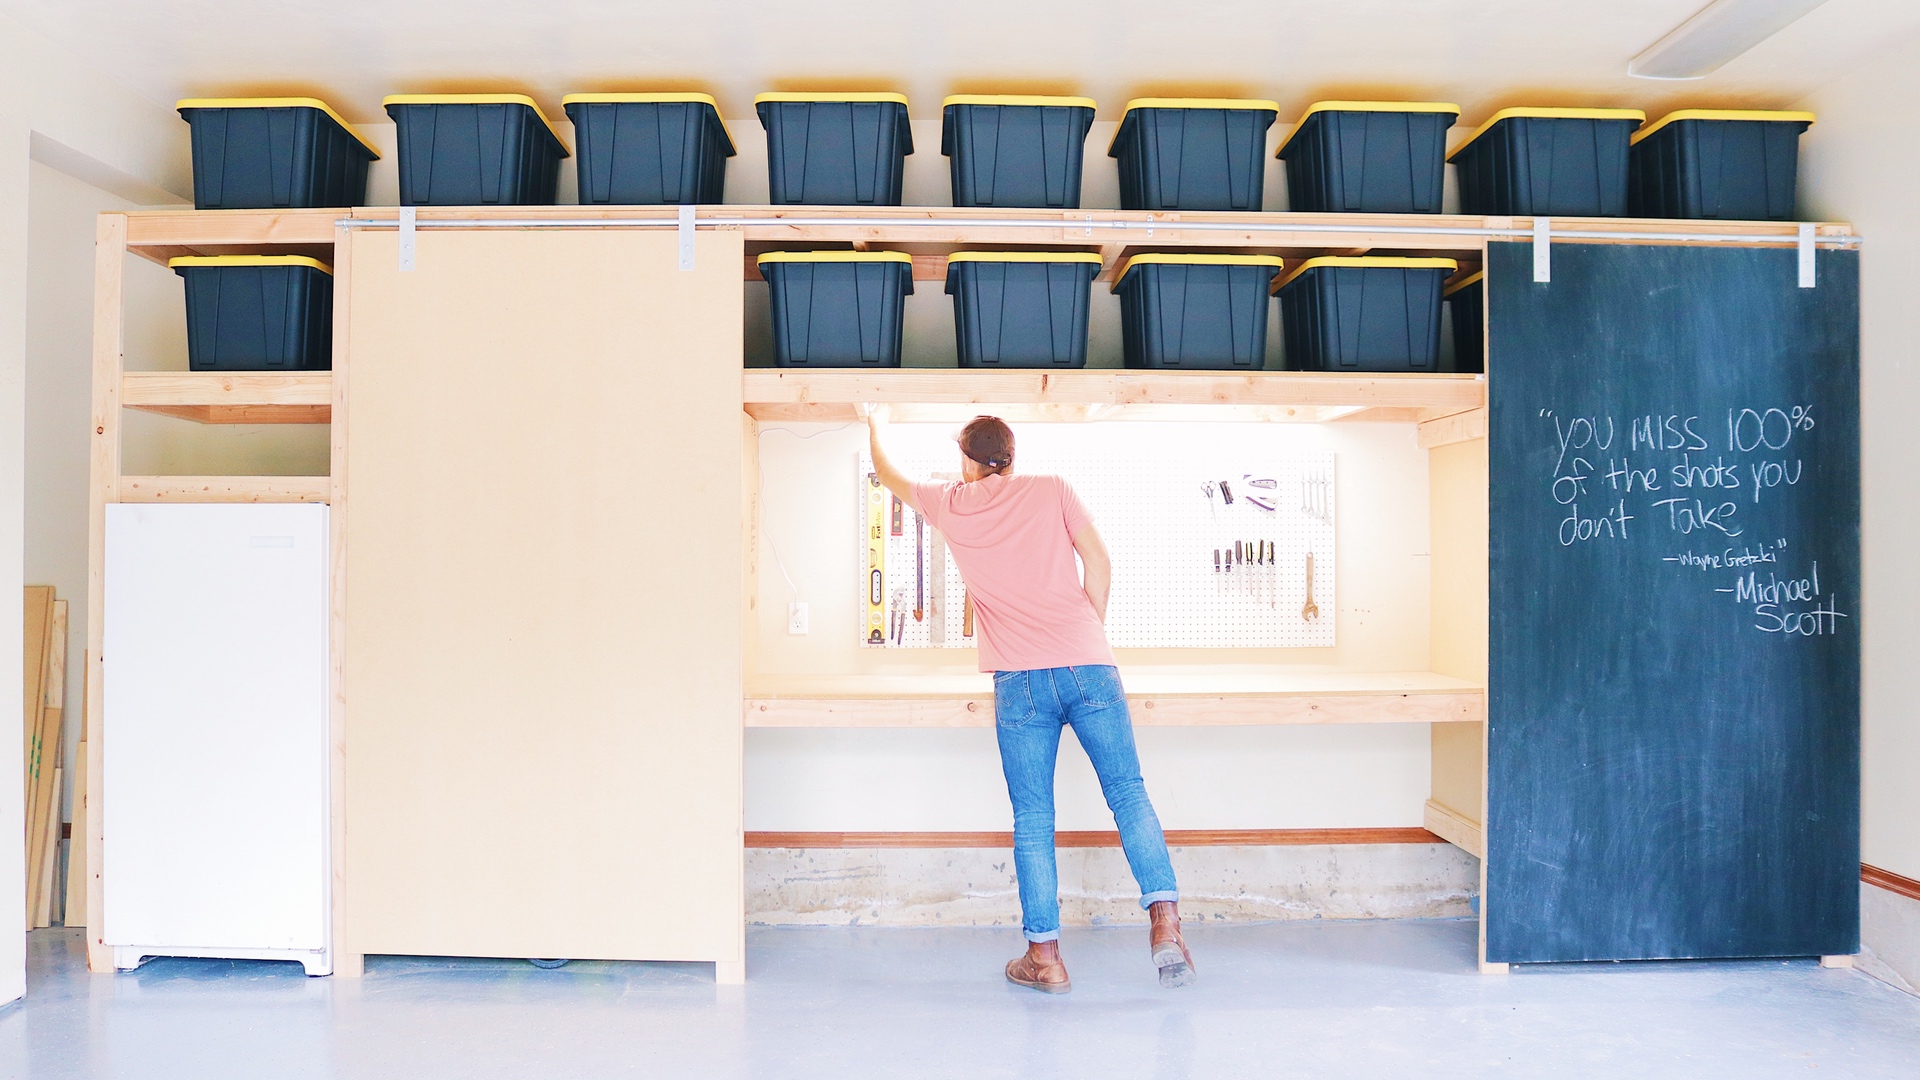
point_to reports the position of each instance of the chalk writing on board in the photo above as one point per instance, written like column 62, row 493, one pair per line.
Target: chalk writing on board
column 1693, row 478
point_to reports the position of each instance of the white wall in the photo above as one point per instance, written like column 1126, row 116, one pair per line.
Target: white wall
column 59, row 331
column 1333, row 776
column 53, row 104
column 1861, row 163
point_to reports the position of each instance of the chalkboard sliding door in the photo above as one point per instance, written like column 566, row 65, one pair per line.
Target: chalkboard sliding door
column 1674, row 629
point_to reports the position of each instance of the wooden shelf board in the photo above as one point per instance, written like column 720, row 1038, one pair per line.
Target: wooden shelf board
column 923, row 394
column 936, row 231
column 225, row 489
column 160, row 235
column 223, row 397
column 1158, row 699
column 1455, row 828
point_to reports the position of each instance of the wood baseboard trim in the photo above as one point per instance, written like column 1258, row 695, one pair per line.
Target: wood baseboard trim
column 1888, row 880
column 1090, row 839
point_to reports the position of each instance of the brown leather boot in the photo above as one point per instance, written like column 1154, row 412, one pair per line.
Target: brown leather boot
column 1170, row 953
column 1040, row 969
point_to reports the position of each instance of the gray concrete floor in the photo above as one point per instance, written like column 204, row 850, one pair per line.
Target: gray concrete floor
column 1307, row 999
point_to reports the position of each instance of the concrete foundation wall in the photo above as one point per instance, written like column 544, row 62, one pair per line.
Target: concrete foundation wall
column 1890, row 937
column 976, row 886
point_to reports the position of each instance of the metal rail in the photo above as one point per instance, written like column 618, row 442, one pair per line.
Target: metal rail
column 1090, row 224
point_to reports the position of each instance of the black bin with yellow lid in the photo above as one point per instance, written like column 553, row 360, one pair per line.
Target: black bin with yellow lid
column 1195, row 312
column 837, row 308
column 1363, row 313
column 257, row 312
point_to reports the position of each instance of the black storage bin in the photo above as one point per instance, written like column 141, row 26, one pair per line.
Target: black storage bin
column 1016, row 151
column 837, row 308
column 1467, row 299
column 267, row 153
column 1363, row 314
column 1549, row 162
column 257, row 312
column 835, row 149
column 1193, row 153
column 648, row 149
column 1197, row 312
column 474, row 150
column 1708, row 163
column 1368, row 157
column 1021, row 309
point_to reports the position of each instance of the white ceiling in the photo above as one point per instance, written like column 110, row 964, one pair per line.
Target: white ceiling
column 1483, row 54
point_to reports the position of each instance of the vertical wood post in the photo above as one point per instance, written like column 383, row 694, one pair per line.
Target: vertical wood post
column 109, row 361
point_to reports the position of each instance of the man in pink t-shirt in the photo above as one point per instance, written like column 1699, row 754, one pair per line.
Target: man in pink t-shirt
column 1042, row 633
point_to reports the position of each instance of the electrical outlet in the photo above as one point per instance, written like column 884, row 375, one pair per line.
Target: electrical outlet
column 796, row 618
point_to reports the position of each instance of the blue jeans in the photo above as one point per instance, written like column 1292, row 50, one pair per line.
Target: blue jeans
column 1030, row 708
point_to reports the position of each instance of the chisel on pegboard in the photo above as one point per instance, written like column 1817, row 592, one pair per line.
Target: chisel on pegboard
column 919, row 567
column 876, row 561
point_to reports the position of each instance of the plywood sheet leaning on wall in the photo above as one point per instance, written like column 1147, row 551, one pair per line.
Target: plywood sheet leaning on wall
column 44, row 769
column 542, row 668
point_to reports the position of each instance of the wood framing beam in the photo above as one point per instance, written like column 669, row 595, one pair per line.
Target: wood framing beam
column 103, row 487
column 1455, row 828
column 160, row 235
column 796, row 394
column 218, row 397
column 348, row 961
column 1094, row 838
column 224, row 489
column 1186, row 710
column 1459, row 427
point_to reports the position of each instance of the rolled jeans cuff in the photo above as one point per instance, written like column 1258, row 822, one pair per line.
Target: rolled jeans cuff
column 1044, row 935
column 1153, row 898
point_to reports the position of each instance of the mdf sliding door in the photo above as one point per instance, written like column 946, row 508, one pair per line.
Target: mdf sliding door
column 542, row 669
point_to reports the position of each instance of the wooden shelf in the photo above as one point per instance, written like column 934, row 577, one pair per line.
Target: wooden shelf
column 1158, row 699
column 794, row 394
column 226, row 397
column 930, row 233
column 1455, row 828
column 225, row 489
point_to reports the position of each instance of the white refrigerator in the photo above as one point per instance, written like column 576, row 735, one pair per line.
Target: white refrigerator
column 214, row 726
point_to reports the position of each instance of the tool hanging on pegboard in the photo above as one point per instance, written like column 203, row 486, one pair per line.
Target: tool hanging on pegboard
column 909, row 572
column 876, row 560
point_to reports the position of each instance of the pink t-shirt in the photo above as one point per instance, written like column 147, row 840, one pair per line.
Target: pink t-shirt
column 1012, row 537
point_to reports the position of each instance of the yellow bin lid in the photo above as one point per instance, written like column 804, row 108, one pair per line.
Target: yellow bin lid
column 828, row 95
column 476, row 99
column 1761, row 115
column 833, row 256
column 247, row 260
column 1470, row 279
column 1367, row 106
column 1366, row 260
column 1157, row 258
column 1547, row 114
column 655, row 99
column 1020, row 99
column 275, row 103
column 1024, row 256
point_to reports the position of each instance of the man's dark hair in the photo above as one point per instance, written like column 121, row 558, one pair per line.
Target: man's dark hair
column 989, row 441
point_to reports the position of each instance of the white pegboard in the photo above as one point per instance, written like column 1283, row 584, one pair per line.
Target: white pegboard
column 1168, row 524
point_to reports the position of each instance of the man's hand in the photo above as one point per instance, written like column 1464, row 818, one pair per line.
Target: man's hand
column 891, row 477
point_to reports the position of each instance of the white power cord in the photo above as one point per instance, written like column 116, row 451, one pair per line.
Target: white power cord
column 760, row 465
